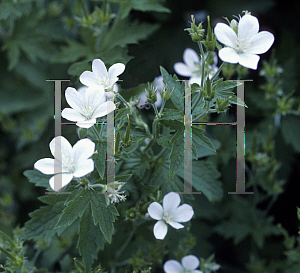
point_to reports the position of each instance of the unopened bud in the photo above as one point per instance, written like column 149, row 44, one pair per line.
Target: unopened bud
column 195, row 31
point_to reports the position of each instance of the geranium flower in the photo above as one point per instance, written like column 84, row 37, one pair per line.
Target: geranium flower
column 244, row 46
column 100, row 76
column 192, row 66
column 74, row 161
column 171, row 213
column 88, row 104
column 188, row 265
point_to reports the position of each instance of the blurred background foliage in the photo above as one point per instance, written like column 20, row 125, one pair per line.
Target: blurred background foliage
column 56, row 40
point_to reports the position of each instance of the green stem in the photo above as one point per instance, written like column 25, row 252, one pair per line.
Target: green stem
column 155, row 110
column 162, row 107
column 84, row 9
column 205, row 113
column 218, row 71
column 122, row 99
column 203, row 64
column 141, row 123
column 96, row 133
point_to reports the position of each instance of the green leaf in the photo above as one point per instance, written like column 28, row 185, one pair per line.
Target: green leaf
column 205, row 179
column 44, row 219
column 100, row 158
column 141, row 5
column 179, row 89
column 225, row 85
column 74, row 208
column 38, row 178
column 172, row 114
column 290, row 130
column 177, row 153
column 200, row 138
column 7, row 9
column 90, row 238
column 103, row 214
column 172, row 124
column 164, row 141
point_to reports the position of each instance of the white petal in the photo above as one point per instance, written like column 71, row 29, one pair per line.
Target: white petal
column 197, row 271
column 72, row 115
column 160, row 230
column 116, row 70
column 94, row 96
column 66, row 148
column 158, row 82
column 83, row 149
column 155, row 211
column 182, row 70
column 86, row 124
column 190, row 262
column 84, row 167
column 225, row 35
column 195, row 80
column 190, row 57
column 248, row 27
column 60, row 180
column 183, row 213
column 176, row 225
column 104, row 109
column 99, row 68
column 229, row 55
column 249, row 60
column 171, row 201
column 261, row 42
column 173, row 266
column 159, row 101
column 88, row 78
column 74, row 99
column 82, row 90
column 45, row 165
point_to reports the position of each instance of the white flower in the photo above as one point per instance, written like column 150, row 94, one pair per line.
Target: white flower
column 158, row 84
column 100, row 76
column 74, row 161
column 192, row 66
column 188, row 265
column 171, row 213
column 88, row 104
column 244, row 46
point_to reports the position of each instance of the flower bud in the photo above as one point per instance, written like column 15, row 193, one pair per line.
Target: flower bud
column 222, row 104
column 234, row 25
column 151, row 95
column 228, row 70
column 131, row 214
column 166, row 93
column 209, row 90
column 242, row 71
column 117, row 144
column 195, row 31
column 210, row 42
column 104, row 15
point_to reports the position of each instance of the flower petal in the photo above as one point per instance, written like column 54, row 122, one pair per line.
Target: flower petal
column 190, row 262
column 158, row 82
column 45, row 165
column 171, row 201
column 182, row 70
column 190, row 57
column 249, row 60
column 84, row 167
column 93, row 97
column 88, row 78
column 261, row 42
column 104, row 109
column 83, row 149
column 116, row 70
column 86, row 124
column 99, row 68
column 173, row 266
column 183, row 213
column 229, row 55
column 72, row 115
column 160, row 230
column 155, row 211
column 74, row 99
column 248, row 27
column 60, row 180
column 66, row 148
column 225, row 35
column 175, row 225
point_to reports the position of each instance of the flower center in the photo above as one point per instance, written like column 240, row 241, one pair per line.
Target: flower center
column 103, row 81
column 70, row 165
column 88, row 111
column 167, row 217
column 242, row 45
